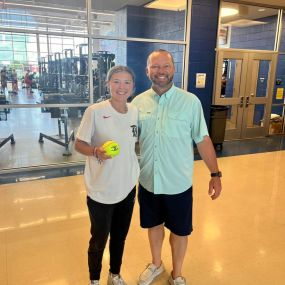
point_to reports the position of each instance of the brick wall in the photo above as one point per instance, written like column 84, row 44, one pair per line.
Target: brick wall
column 204, row 24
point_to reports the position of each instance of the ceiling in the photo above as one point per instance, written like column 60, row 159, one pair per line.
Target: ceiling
column 73, row 12
column 271, row 3
column 247, row 14
column 114, row 5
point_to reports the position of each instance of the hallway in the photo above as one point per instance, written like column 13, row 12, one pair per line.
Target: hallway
column 237, row 240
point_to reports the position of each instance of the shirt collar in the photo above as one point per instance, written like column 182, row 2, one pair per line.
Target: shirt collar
column 167, row 94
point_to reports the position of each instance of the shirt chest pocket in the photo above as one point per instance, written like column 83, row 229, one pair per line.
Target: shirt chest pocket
column 175, row 126
column 145, row 120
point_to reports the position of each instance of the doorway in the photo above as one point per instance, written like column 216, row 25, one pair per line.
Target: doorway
column 244, row 83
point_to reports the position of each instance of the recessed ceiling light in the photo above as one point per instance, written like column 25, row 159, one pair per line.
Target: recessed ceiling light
column 174, row 5
column 225, row 12
column 261, row 9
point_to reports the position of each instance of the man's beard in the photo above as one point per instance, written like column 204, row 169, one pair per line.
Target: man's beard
column 157, row 82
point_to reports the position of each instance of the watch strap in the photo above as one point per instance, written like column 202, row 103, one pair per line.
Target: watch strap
column 216, row 174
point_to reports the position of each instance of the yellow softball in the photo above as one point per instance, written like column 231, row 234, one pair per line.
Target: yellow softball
column 111, row 148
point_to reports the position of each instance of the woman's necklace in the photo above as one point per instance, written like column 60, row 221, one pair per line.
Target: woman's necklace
column 123, row 109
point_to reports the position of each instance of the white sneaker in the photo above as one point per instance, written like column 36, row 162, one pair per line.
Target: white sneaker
column 150, row 273
column 115, row 279
column 177, row 281
column 94, row 282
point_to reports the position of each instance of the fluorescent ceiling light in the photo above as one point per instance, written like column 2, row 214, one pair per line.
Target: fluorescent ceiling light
column 54, row 17
column 245, row 23
column 38, row 29
column 174, row 5
column 37, row 25
column 44, row 7
column 56, row 8
column 226, row 12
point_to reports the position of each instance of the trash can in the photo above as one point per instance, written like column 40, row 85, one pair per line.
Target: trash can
column 218, row 124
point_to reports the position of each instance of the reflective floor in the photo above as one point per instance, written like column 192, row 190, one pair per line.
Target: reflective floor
column 237, row 240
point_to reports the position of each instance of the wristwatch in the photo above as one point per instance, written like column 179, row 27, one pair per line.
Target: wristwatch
column 216, row 174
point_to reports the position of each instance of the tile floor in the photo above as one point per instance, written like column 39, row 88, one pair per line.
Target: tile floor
column 237, row 239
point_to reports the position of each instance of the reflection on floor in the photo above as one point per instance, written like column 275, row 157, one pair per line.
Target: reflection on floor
column 26, row 124
column 258, row 145
column 237, row 240
column 69, row 168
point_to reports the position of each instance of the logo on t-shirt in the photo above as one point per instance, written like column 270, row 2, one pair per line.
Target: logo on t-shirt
column 134, row 130
column 106, row 117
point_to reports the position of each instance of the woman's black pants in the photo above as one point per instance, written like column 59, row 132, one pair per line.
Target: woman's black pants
column 113, row 219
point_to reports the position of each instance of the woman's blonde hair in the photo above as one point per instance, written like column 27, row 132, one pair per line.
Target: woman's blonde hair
column 118, row 69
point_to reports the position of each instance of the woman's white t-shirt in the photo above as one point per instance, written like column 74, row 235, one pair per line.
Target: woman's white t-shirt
column 112, row 180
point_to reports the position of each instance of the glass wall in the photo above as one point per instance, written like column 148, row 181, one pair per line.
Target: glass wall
column 49, row 52
column 255, row 28
column 45, row 16
column 247, row 27
column 282, row 40
column 277, row 120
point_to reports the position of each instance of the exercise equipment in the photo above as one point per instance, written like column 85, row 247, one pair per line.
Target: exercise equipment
column 62, row 139
column 3, row 117
column 68, row 74
column 5, row 140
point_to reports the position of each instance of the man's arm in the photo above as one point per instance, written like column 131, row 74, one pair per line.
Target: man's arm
column 208, row 154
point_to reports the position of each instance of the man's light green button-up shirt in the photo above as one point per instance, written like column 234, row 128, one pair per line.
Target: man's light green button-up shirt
column 168, row 124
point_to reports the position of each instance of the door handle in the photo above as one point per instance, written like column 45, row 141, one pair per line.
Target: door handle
column 247, row 101
column 241, row 101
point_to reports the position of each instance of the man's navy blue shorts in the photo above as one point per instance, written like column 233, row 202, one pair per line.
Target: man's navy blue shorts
column 174, row 211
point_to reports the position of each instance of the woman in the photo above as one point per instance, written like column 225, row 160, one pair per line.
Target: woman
column 110, row 182
column 14, row 81
column 27, row 80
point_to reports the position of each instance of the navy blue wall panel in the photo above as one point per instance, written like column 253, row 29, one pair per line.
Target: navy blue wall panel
column 280, row 75
column 151, row 23
column 260, row 37
column 137, row 55
column 204, row 25
column 156, row 24
column 282, row 43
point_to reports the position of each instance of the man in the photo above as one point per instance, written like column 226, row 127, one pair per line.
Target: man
column 3, row 79
column 170, row 119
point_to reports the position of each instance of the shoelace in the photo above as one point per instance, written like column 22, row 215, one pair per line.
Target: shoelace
column 180, row 281
column 118, row 280
column 151, row 267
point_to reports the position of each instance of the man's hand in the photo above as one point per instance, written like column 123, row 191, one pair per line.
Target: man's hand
column 215, row 187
